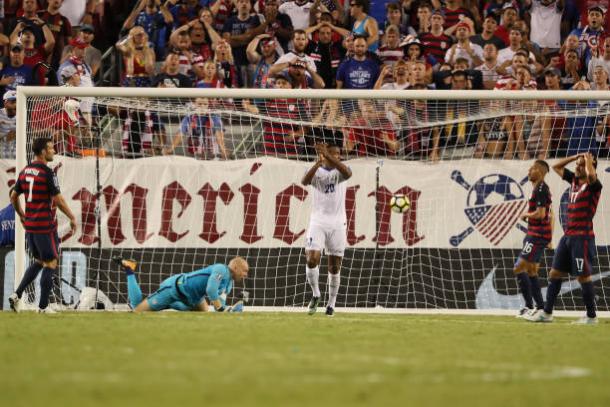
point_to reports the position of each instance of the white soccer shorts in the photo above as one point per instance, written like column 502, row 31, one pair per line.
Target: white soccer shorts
column 331, row 238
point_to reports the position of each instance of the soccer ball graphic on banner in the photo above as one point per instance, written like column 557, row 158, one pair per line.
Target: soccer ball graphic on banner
column 399, row 203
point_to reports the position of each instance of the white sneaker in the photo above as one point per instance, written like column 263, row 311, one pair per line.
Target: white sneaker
column 15, row 302
column 523, row 312
column 539, row 316
column 46, row 310
column 585, row 321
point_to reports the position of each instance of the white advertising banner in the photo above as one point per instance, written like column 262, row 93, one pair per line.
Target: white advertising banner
column 182, row 203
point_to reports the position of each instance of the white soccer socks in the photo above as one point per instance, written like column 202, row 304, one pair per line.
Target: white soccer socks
column 313, row 277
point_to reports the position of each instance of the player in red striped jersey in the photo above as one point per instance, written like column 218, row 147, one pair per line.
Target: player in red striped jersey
column 539, row 235
column 39, row 185
column 575, row 252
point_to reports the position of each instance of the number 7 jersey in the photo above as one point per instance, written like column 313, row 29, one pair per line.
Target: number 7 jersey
column 39, row 185
column 328, row 206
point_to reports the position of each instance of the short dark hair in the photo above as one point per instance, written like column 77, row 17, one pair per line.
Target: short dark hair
column 40, row 144
column 543, row 164
column 299, row 31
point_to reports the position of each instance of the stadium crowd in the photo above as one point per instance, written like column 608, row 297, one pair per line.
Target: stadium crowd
column 331, row 44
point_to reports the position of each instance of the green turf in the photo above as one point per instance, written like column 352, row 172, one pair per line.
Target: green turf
column 176, row 359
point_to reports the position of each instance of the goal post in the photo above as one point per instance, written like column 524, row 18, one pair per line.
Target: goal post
column 177, row 204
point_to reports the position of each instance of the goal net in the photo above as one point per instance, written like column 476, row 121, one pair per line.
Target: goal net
column 179, row 179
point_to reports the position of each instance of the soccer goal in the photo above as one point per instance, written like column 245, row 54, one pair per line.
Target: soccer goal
column 181, row 178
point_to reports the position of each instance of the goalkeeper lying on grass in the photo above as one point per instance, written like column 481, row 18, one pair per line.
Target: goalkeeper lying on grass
column 187, row 291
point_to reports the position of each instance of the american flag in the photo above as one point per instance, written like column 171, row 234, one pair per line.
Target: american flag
column 494, row 221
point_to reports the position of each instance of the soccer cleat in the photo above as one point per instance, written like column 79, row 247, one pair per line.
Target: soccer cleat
column 46, row 310
column 15, row 302
column 585, row 321
column 524, row 312
column 313, row 305
column 129, row 264
column 330, row 311
column 539, row 316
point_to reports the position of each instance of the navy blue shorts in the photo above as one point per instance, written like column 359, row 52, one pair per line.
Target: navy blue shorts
column 575, row 255
column 43, row 246
column 533, row 249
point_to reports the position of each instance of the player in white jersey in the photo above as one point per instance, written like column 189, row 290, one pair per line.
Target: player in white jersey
column 327, row 225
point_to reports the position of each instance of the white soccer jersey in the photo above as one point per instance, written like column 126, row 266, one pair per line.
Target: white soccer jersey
column 328, row 198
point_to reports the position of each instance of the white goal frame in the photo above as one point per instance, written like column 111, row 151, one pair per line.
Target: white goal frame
column 23, row 92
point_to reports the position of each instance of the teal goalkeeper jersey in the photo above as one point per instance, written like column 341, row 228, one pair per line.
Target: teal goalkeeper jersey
column 211, row 282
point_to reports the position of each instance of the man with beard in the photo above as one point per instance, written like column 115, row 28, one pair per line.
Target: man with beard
column 359, row 71
column 262, row 55
column 326, row 54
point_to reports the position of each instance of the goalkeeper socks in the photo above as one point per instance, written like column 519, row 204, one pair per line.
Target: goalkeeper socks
column 526, row 290
column 588, row 297
column 134, row 293
column 313, row 277
column 334, row 281
column 552, row 292
column 46, row 284
column 536, row 292
column 30, row 275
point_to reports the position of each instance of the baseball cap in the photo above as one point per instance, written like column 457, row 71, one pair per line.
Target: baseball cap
column 283, row 75
column 268, row 41
column 78, row 43
column 87, row 27
column 596, row 7
column 28, row 28
column 9, row 95
column 509, row 5
column 552, row 71
column 438, row 12
column 17, row 47
column 68, row 71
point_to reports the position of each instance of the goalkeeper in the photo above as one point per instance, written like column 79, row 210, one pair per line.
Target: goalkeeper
column 187, row 291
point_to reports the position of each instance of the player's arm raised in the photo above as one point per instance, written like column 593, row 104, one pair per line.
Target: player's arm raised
column 559, row 166
column 590, row 168
column 342, row 168
column 309, row 174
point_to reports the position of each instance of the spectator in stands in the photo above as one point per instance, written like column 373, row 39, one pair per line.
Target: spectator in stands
column 510, row 15
column 184, row 11
column 414, row 52
column 505, row 55
column 30, row 19
column 181, row 40
column 327, row 54
column 359, row 71
column 546, row 23
column 221, row 10
column 225, row 67
column 600, row 78
column 572, row 70
column 436, row 42
column 394, row 17
column 493, row 136
column 138, row 58
column 303, row 77
column 588, row 36
column 581, row 127
column 390, row 50
column 300, row 43
column 364, row 25
column 207, row 76
column 204, row 133
column 601, row 59
column 464, row 48
column 262, row 54
column 156, row 20
column 371, row 134
column 424, row 12
column 459, row 131
column 35, row 56
column 59, row 26
column 8, row 122
column 143, row 132
column 16, row 73
column 277, row 24
column 394, row 78
column 298, row 11
column 280, row 136
column 509, row 81
column 77, row 61
column 170, row 77
column 239, row 30
column 456, row 14
column 93, row 56
column 489, row 68
column 487, row 36
column 550, row 141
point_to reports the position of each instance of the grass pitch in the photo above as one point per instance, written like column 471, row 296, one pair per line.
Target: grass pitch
column 264, row 359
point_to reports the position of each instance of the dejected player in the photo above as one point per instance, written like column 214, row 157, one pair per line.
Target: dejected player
column 327, row 224
column 538, row 237
column 187, row 291
column 575, row 251
column 41, row 189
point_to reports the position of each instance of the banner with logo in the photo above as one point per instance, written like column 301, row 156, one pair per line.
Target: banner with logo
column 178, row 202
